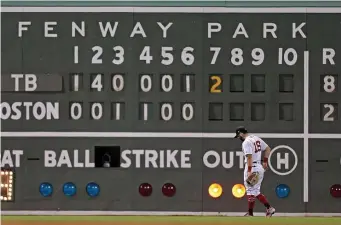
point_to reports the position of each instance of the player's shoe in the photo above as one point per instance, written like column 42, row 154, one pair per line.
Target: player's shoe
column 270, row 211
column 248, row 214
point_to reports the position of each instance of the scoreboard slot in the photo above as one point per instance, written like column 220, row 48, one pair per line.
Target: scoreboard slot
column 329, row 112
column 329, row 83
column 167, row 82
column 76, row 110
column 146, row 82
column 216, row 111
column 237, row 112
column 166, row 111
column 237, row 83
column 257, row 83
column 286, row 111
column 96, row 82
column 187, row 111
column 216, row 84
column 107, row 156
column 118, row 111
column 76, row 82
column 96, row 112
column 286, row 83
column 258, row 112
column 187, row 83
column 146, row 111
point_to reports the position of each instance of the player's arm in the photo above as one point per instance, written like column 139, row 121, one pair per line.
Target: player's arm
column 267, row 151
column 249, row 162
column 266, row 154
column 247, row 146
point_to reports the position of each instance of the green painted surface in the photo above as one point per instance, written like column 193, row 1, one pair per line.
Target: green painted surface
column 233, row 3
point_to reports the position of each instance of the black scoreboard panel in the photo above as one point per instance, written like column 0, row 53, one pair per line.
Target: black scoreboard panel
column 204, row 72
column 325, row 73
column 324, row 167
column 190, row 164
column 257, row 88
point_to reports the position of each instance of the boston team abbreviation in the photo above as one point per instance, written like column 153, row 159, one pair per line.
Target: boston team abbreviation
column 126, row 99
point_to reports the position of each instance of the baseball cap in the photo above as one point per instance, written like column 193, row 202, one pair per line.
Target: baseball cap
column 239, row 130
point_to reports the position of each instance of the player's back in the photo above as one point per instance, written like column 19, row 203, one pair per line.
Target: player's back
column 257, row 145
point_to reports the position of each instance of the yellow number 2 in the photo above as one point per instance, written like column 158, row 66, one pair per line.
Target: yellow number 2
column 215, row 86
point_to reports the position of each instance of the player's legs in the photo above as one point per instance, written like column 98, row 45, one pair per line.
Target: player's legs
column 252, row 191
column 255, row 189
column 269, row 209
column 251, row 200
column 262, row 198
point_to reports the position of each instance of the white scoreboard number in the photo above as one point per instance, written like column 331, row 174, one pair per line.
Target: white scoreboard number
column 187, row 111
column 76, row 110
column 285, row 56
column 187, row 56
column 330, row 110
column 167, row 82
column 146, row 83
column 97, row 83
column 329, row 83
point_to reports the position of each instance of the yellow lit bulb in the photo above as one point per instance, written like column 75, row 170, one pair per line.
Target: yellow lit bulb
column 215, row 190
column 238, row 190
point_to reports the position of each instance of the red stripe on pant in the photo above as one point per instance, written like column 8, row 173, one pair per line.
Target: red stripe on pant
column 263, row 200
column 251, row 203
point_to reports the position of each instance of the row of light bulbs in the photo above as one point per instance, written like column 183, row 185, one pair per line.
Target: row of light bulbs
column 8, row 185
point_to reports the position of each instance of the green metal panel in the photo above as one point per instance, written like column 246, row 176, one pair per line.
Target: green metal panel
column 229, row 3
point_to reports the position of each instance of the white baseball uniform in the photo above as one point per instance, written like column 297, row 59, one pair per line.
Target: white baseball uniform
column 255, row 146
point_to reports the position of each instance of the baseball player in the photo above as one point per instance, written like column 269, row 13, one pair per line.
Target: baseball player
column 253, row 147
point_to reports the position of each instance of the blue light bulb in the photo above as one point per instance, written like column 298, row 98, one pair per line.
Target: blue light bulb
column 46, row 189
column 282, row 191
column 92, row 189
column 69, row 189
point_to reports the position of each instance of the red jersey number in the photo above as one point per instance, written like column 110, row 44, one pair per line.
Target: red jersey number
column 257, row 146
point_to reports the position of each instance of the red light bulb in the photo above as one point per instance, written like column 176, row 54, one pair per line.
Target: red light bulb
column 335, row 190
column 145, row 189
column 169, row 189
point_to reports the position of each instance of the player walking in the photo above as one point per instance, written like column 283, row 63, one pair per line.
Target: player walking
column 253, row 147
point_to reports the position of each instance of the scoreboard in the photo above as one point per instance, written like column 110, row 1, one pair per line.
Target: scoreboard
column 169, row 72
column 171, row 78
